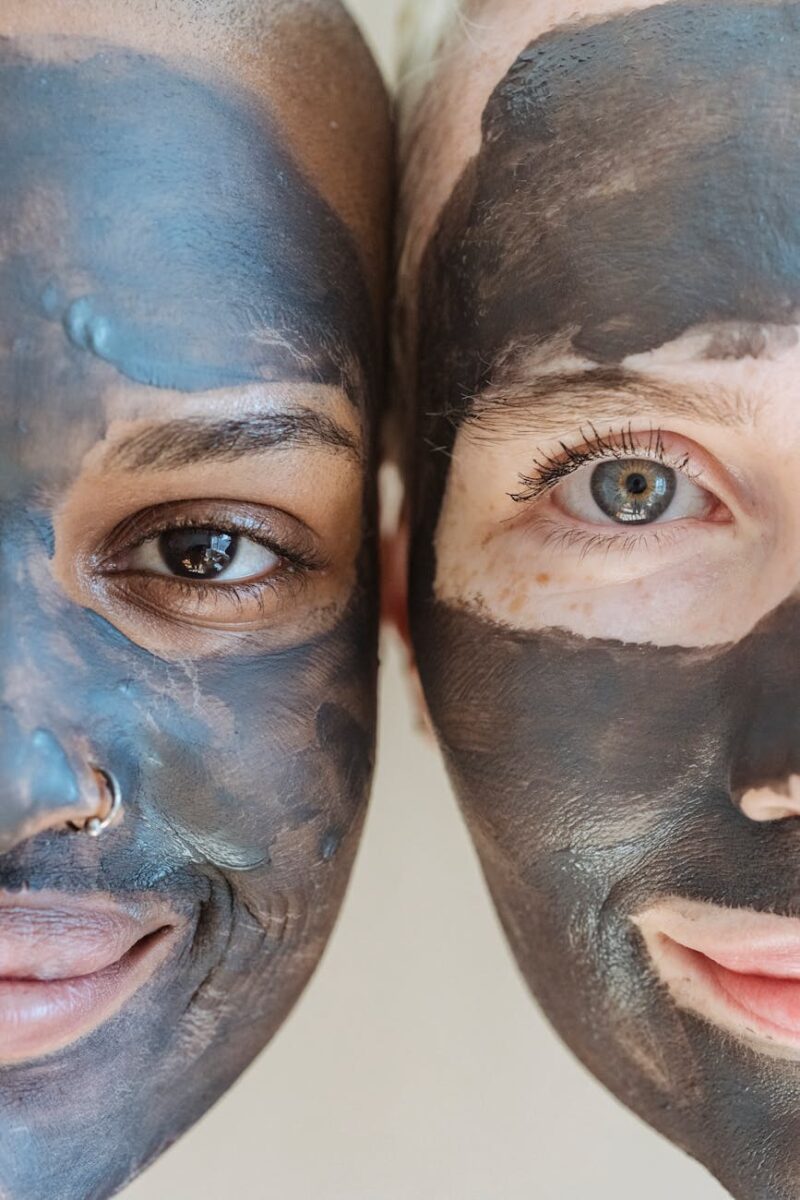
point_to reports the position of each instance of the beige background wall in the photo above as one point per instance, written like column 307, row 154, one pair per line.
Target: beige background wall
column 416, row 1067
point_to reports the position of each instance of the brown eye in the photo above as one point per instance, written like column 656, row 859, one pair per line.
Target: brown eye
column 203, row 554
column 214, row 565
column 633, row 491
column 198, row 553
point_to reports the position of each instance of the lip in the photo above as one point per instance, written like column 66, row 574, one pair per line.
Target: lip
column 69, row 963
column 737, row 968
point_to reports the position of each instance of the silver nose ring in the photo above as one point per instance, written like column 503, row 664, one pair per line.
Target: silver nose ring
column 97, row 825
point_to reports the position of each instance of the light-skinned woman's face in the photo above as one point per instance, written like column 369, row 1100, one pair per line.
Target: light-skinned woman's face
column 604, row 315
column 188, row 371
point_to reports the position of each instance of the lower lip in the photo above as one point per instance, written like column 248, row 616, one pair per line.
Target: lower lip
column 765, row 1004
column 39, row 1017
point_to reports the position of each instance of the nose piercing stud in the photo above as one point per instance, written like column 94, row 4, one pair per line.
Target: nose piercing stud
column 97, row 825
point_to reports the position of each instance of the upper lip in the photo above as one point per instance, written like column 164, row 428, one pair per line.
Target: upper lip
column 55, row 935
column 738, row 968
column 740, row 939
column 69, row 963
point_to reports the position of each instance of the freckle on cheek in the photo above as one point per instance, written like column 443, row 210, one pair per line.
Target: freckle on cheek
column 585, row 607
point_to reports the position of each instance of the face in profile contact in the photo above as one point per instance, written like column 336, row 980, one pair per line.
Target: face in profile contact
column 189, row 390
column 599, row 297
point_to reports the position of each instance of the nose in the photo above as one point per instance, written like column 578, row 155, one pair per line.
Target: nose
column 775, row 802
column 42, row 787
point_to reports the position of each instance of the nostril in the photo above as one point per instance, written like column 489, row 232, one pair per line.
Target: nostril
column 49, row 785
column 776, row 801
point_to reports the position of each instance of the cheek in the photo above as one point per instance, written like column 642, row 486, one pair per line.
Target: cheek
column 258, row 763
column 596, row 776
column 565, row 750
column 230, row 764
column 596, row 781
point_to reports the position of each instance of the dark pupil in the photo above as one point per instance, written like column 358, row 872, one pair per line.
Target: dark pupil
column 197, row 553
column 633, row 491
column 636, row 484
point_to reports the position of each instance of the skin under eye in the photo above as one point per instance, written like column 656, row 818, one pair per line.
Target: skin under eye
column 204, row 554
column 632, row 492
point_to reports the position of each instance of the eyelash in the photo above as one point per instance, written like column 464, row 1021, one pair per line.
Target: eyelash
column 293, row 563
column 624, row 545
column 204, row 593
column 550, row 470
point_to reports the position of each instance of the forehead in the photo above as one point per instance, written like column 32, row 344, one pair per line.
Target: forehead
column 736, row 376
column 637, row 177
column 161, row 226
column 304, row 58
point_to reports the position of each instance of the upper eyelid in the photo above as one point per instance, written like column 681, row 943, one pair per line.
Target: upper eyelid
column 146, row 529
column 292, row 561
column 149, row 524
column 240, row 530
column 592, row 447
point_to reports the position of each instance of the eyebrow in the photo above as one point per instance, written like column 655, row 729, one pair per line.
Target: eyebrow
column 190, row 440
column 560, row 400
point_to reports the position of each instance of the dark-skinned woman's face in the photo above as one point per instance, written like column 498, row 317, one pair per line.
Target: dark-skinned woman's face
column 606, row 537
column 187, row 403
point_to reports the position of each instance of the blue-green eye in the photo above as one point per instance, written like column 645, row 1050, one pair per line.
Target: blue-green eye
column 633, row 491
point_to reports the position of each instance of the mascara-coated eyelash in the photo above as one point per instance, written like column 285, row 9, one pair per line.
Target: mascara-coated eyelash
column 550, row 469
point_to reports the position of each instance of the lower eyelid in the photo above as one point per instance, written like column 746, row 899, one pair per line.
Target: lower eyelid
column 282, row 569
column 172, row 598
column 548, row 510
column 587, row 539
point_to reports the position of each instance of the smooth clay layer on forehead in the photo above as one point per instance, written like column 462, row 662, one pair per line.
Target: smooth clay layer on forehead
column 636, row 178
column 164, row 226
column 304, row 60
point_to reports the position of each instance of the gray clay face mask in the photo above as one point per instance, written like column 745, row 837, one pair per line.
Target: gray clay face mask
column 187, row 393
column 627, row 235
